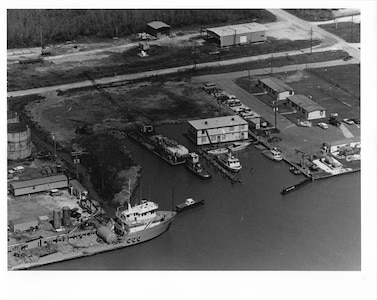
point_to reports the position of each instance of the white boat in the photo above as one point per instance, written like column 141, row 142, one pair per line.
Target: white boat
column 273, row 154
column 230, row 162
column 237, row 146
column 218, row 151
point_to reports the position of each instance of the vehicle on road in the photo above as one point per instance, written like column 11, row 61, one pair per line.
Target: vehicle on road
column 209, row 87
column 323, row 125
column 356, row 121
column 335, row 122
column 347, row 58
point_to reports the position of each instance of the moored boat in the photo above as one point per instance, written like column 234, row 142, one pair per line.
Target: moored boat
column 273, row 154
column 218, row 151
column 230, row 162
column 193, row 164
column 237, row 146
column 294, row 170
column 188, row 204
column 141, row 222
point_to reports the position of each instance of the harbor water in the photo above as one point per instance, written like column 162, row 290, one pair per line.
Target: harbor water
column 242, row 226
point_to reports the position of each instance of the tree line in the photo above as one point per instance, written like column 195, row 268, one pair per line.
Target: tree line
column 36, row 27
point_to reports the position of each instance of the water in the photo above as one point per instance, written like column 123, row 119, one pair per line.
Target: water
column 247, row 226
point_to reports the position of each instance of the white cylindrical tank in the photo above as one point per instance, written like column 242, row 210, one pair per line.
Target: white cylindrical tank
column 57, row 218
column 19, row 141
column 106, row 234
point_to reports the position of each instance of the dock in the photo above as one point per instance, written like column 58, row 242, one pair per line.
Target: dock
column 233, row 178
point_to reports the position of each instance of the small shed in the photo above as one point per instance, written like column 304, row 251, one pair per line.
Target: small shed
column 157, row 28
column 306, row 107
column 23, row 224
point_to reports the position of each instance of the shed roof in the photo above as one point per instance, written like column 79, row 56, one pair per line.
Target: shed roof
column 158, row 25
column 237, row 29
column 38, row 181
column 276, row 84
column 306, row 103
column 226, row 121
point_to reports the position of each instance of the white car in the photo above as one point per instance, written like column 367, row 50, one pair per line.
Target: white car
column 348, row 121
column 323, row 125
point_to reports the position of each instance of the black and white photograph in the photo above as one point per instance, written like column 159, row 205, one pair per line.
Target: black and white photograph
column 201, row 152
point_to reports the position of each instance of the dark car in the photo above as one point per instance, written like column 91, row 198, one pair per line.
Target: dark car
column 275, row 139
column 334, row 122
column 356, row 120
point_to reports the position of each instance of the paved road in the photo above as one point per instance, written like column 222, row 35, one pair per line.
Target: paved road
column 330, row 42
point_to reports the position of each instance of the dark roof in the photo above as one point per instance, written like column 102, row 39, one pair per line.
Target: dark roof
column 16, row 127
column 38, row 181
column 276, row 84
column 306, row 103
column 158, row 25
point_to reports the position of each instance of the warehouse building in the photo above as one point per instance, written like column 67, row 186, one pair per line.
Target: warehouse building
column 275, row 88
column 218, row 130
column 306, row 107
column 237, row 34
column 157, row 29
column 37, row 185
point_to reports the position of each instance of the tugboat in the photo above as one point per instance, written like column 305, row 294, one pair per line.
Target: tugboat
column 194, row 166
column 218, row 151
column 294, row 170
column 141, row 222
column 230, row 162
column 273, row 154
column 188, row 204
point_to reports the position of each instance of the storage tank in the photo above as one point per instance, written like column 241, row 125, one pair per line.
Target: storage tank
column 106, row 234
column 56, row 218
column 19, row 141
column 66, row 216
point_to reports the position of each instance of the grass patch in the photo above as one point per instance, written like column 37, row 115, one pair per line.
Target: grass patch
column 348, row 31
column 312, row 14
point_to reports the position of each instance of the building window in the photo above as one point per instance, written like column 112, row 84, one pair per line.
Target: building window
column 290, row 92
column 203, row 139
column 231, row 128
column 242, row 127
column 203, row 131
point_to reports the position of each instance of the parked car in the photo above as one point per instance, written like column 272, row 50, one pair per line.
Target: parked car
column 334, row 122
column 356, row 120
column 323, row 125
column 209, row 87
column 349, row 121
column 55, row 192
column 305, row 123
column 275, row 139
column 348, row 58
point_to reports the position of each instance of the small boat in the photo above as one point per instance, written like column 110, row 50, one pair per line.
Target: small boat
column 194, row 166
column 273, row 154
column 188, row 204
column 237, row 146
column 294, row 170
column 218, row 151
column 230, row 162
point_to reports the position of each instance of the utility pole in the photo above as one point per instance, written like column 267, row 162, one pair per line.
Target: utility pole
column 275, row 110
column 76, row 161
column 351, row 29
column 311, row 40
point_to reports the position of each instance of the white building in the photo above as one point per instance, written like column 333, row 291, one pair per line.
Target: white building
column 218, row 130
column 306, row 107
column 276, row 88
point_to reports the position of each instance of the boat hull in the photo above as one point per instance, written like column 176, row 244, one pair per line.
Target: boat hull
column 272, row 157
column 204, row 174
column 100, row 247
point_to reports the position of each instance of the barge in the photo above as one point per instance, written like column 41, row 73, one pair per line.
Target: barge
column 188, row 204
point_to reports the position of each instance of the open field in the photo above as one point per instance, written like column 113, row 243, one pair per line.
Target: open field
column 348, row 31
column 106, row 64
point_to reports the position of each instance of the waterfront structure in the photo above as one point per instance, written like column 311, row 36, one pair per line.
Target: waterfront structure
column 306, row 107
column 37, row 185
column 19, row 141
column 157, row 29
column 218, row 130
column 231, row 35
column 276, row 88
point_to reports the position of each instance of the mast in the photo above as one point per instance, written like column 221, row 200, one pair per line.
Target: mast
column 172, row 198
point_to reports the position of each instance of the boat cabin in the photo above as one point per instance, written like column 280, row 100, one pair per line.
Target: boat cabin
column 144, row 212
